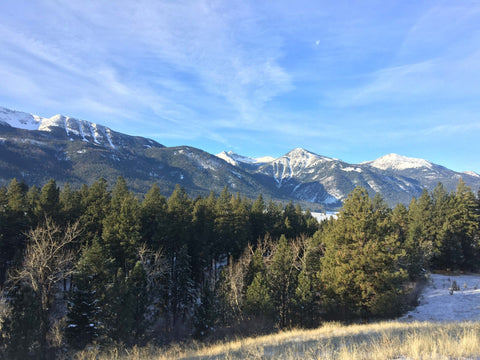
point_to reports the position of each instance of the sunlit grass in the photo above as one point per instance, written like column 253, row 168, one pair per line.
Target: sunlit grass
column 385, row 340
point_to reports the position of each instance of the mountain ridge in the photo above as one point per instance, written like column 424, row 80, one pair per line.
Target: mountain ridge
column 35, row 149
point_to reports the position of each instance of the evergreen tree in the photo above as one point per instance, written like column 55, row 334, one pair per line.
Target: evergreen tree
column 203, row 241
column 154, row 218
column 446, row 249
column 122, row 226
column 23, row 326
column 88, row 297
column 273, row 221
column 17, row 216
column 179, row 215
column 96, row 204
column 83, row 312
column 182, row 289
column 310, row 224
column 224, row 223
column 308, row 308
column 465, row 221
column 138, row 299
column 240, row 231
column 419, row 243
column 70, row 205
column 205, row 315
column 360, row 272
column 282, row 276
column 49, row 203
column 257, row 219
column 457, row 223
column 258, row 301
column 291, row 221
column 119, row 315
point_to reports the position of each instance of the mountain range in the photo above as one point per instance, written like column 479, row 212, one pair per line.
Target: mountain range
column 37, row 149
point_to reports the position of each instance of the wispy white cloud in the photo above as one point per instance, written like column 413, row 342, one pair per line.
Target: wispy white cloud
column 127, row 49
column 243, row 72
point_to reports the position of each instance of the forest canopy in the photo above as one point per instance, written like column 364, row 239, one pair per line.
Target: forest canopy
column 101, row 266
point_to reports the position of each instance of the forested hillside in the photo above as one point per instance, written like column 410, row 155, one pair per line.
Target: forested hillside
column 100, row 266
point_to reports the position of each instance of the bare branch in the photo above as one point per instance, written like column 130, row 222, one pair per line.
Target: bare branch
column 48, row 259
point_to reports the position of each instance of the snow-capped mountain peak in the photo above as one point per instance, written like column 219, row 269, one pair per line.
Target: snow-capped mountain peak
column 398, row 162
column 20, row 120
column 305, row 156
column 88, row 131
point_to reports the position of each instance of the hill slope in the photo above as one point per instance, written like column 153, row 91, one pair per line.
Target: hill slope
column 36, row 149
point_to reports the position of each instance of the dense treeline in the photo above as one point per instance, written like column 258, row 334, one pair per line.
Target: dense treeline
column 138, row 268
column 100, row 266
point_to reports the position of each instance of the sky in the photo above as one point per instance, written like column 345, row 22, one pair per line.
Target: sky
column 353, row 80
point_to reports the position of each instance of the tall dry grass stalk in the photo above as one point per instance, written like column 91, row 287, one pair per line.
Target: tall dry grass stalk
column 385, row 340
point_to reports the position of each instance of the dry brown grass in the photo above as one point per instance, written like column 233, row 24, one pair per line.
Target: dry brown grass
column 385, row 340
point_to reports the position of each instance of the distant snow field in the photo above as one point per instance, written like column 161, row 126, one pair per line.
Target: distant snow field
column 439, row 303
column 324, row 216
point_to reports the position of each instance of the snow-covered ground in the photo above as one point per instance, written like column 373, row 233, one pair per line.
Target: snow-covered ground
column 439, row 303
column 324, row 216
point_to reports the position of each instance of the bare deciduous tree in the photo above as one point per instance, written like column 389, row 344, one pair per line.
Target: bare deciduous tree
column 48, row 260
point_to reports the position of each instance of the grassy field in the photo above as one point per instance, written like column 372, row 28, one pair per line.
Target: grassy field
column 385, row 340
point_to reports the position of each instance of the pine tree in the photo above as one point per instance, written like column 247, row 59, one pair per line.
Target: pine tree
column 154, row 218
column 273, row 219
column 119, row 319
column 96, row 204
column 24, row 324
column 460, row 242
column 88, row 297
column 70, row 205
column 282, row 276
column 49, row 203
column 308, row 309
column 257, row 219
column 203, row 241
column 419, row 243
column 83, row 316
column 240, row 231
column 179, row 215
column 360, row 271
column 17, row 216
column 182, row 289
column 258, row 301
column 138, row 299
column 205, row 315
column 121, row 227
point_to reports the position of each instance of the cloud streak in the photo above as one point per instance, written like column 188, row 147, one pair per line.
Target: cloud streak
column 257, row 76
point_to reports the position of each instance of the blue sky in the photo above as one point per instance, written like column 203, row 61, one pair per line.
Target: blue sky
column 353, row 80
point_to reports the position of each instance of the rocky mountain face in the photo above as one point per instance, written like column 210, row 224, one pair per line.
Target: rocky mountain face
column 303, row 175
column 36, row 149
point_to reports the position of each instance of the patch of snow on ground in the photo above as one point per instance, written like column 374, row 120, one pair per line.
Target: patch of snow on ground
column 437, row 304
column 324, row 216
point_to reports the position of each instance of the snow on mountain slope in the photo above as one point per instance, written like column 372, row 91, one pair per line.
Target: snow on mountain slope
column 472, row 173
column 233, row 158
column 398, row 162
column 88, row 131
column 20, row 120
column 439, row 303
column 296, row 162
